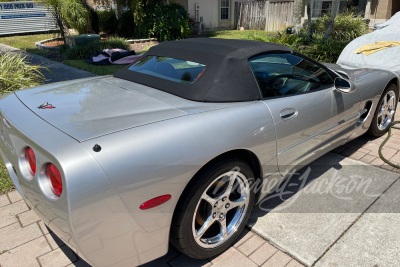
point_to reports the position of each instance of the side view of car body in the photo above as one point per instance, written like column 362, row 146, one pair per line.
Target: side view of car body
column 120, row 166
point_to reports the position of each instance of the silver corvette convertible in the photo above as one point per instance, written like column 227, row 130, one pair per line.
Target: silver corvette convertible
column 169, row 148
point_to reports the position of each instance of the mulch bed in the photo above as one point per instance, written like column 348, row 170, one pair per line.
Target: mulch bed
column 54, row 43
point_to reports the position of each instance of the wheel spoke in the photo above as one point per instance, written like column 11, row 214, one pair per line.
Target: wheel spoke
column 381, row 113
column 209, row 199
column 391, row 102
column 223, row 231
column 238, row 203
column 229, row 186
column 204, row 227
column 384, row 101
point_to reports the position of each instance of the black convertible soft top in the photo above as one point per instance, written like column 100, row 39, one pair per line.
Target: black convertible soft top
column 227, row 78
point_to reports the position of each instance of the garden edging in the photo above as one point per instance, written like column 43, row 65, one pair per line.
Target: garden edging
column 41, row 45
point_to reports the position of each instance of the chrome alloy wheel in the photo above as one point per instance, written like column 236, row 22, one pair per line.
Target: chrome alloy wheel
column 221, row 209
column 387, row 110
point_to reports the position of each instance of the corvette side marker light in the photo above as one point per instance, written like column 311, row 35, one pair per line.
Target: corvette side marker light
column 155, row 202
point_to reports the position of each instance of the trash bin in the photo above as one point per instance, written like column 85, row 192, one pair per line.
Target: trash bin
column 82, row 39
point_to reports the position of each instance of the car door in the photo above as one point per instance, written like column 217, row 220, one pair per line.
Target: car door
column 308, row 113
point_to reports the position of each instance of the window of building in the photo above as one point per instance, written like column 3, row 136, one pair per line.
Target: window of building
column 322, row 7
column 225, row 8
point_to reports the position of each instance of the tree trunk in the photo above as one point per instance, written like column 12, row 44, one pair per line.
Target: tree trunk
column 335, row 8
column 119, row 9
column 297, row 12
column 309, row 26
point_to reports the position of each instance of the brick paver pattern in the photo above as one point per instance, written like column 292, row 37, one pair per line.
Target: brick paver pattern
column 365, row 149
column 26, row 241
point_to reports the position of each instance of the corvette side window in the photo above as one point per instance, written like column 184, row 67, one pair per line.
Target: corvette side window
column 287, row 74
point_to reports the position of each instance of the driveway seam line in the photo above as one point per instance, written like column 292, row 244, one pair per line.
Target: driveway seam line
column 268, row 258
column 277, row 247
column 24, row 243
column 44, row 235
column 354, row 222
column 10, row 224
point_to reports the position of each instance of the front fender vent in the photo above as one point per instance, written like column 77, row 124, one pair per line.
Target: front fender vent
column 368, row 106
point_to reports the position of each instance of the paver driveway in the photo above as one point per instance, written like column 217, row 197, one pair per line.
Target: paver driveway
column 26, row 241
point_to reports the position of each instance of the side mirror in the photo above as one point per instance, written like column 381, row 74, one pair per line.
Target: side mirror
column 344, row 86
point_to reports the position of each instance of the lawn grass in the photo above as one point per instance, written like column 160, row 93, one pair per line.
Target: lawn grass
column 235, row 34
column 27, row 42
column 24, row 42
column 98, row 70
column 5, row 182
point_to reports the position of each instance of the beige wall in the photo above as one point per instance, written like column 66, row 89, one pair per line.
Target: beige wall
column 209, row 10
column 381, row 9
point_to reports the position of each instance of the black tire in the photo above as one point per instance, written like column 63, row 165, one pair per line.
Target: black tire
column 373, row 129
column 181, row 236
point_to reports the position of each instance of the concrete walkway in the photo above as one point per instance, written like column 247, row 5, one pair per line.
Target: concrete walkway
column 58, row 71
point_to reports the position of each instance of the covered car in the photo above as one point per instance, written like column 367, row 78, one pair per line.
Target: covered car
column 388, row 59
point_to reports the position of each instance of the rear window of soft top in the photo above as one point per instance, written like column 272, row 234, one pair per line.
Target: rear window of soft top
column 172, row 69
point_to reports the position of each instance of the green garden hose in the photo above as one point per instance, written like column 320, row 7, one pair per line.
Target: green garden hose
column 385, row 141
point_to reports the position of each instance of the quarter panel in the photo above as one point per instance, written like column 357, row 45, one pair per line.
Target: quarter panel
column 161, row 158
column 89, row 215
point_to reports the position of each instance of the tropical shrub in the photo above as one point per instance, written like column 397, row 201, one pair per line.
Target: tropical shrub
column 171, row 22
column 84, row 51
column 70, row 13
column 17, row 74
column 328, row 51
column 76, row 15
column 164, row 22
column 126, row 25
column 291, row 40
column 348, row 26
column 108, row 21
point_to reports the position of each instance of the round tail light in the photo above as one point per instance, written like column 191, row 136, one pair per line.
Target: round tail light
column 31, row 160
column 54, row 176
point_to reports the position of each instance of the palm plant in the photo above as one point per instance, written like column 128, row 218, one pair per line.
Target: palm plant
column 17, row 74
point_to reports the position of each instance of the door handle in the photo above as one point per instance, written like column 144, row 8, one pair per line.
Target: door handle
column 288, row 113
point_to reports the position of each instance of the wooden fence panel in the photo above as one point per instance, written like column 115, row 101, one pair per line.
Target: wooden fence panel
column 279, row 15
column 273, row 15
column 251, row 15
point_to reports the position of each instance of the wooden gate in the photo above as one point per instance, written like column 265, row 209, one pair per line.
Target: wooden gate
column 272, row 15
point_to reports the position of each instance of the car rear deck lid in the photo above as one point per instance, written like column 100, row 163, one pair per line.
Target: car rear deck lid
column 92, row 108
